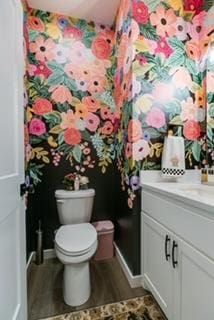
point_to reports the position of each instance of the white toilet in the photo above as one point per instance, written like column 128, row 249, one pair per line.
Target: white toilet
column 75, row 243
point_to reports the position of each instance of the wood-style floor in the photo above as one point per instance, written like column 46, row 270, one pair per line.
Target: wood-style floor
column 45, row 298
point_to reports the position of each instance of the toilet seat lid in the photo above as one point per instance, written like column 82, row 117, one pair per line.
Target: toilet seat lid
column 76, row 239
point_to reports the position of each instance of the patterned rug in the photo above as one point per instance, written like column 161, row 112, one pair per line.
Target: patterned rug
column 143, row 308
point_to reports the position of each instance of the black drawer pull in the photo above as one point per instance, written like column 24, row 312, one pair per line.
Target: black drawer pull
column 167, row 240
column 174, row 262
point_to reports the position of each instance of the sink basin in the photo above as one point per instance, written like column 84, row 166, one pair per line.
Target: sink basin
column 200, row 190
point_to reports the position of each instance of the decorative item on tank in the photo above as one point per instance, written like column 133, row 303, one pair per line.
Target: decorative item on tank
column 84, row 181
column 71, row 179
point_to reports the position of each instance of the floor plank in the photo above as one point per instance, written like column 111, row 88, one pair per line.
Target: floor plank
column 45, row 298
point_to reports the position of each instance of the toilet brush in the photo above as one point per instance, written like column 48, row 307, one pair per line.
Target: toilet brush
column 39, row 247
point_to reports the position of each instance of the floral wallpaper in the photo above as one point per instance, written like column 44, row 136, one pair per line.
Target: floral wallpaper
column 70, row 111
column 94, row 95
column 160, row 80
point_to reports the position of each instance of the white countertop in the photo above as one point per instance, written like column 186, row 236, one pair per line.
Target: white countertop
column 189, row 191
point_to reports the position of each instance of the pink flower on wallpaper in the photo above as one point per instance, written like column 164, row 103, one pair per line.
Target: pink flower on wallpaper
column 156, row 118
column 107, row 128
column 194, row 5
column 192, row 130
column 163, row 48
column 43, row 70
column 142, row 60
column 106, row 113
column 92, row 122
column 31, row 69
column 97, row 84
column 164, row 20
column 140, row 12
column 68, row 120
column 135, row 131
column 73, row 71
column 181, row 78
column 128, row 150
column 140, row 149
column 163, row 92
column 61, row 94
column 181, row 28
column 197, row 29
column 43, row 49
column 72, row 32
column 37, row 127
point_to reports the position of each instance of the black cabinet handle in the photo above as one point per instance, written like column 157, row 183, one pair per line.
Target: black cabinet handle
column 174, row 262
column 167, row 240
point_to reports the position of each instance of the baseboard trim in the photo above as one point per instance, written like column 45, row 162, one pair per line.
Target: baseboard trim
column 134, row 281
column 48, row 254
column 30, row 259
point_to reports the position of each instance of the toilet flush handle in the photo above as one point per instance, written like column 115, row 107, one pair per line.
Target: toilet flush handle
column 60, row 201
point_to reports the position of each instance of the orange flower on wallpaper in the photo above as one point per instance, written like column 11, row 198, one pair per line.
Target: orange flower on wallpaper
column 135, row 131
column 36, row 24
column 61, row 94
column 101, row 48
column 72, row 136
column 200, row 97
column 68, row 120
column 193, row 50
column 81, row 111
column 204, row 46
column 42, row 106
column 92, row 104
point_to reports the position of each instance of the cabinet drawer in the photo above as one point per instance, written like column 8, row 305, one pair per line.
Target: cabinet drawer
column 182, row 220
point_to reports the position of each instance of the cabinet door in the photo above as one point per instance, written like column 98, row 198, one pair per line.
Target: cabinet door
column 196, row 280
column 157, row 270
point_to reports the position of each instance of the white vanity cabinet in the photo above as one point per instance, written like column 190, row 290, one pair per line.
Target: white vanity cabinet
column 178, row 256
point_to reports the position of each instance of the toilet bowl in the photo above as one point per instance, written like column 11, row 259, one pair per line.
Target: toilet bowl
column 75, row 245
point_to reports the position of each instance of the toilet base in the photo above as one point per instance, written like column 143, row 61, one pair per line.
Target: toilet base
column 76, row 283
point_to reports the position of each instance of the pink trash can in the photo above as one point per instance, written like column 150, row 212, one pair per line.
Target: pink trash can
column 105, row 232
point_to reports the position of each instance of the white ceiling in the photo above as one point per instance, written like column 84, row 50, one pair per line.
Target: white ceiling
column 101, row 11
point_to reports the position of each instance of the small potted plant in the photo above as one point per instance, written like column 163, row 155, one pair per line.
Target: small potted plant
column 68, row 181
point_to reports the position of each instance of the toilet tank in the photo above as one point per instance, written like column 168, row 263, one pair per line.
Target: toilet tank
column 74, row 206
